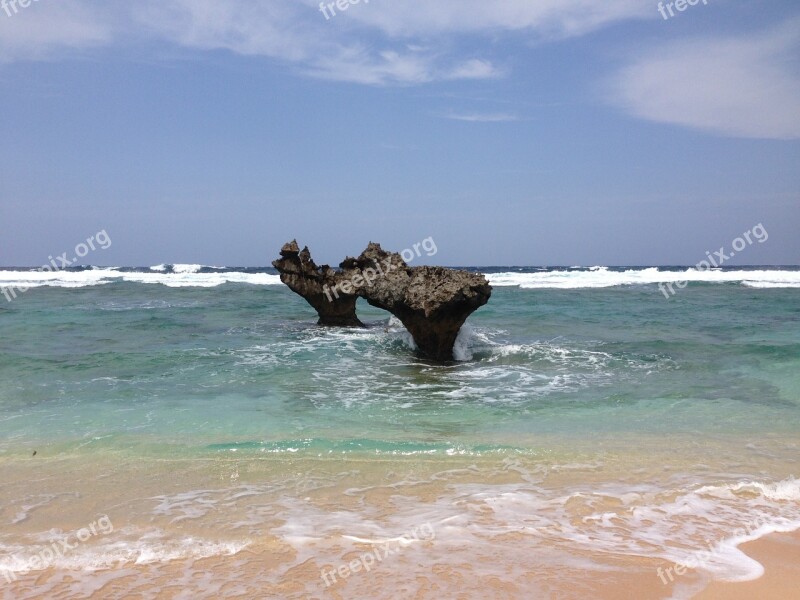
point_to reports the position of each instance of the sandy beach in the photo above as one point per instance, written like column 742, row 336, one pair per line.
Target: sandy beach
column 780, row 555
column 294, row 525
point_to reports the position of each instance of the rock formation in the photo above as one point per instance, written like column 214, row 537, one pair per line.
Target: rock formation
column 431, row 302
column 303, row 277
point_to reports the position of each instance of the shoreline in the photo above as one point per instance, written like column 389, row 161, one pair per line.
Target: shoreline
column 276, row 532
column 779, row 553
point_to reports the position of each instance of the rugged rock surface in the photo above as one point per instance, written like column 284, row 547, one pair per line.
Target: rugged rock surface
column 431, row 302
column 303, row 277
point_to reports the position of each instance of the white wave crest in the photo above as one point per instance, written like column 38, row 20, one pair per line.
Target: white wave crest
column 600, row 277
column 78, row 279
column 185, row 275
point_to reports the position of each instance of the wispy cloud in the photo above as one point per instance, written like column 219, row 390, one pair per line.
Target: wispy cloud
column 475, row 69
column 373, row 44
column 560, row 18
column 357, row 64
column 744, row 87
column 40, row 30
column 482, row 117
column 297, row 34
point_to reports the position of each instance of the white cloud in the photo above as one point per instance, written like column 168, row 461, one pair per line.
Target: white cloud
column 300, row 35
column 375, row 43
column 543, row 17
column 474, row 69
column 482, row 117
column 359, row 65
column 742, row 87
column 268, row 28
column 44, row 28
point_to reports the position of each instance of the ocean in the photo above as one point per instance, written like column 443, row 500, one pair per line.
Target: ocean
column 215, row 442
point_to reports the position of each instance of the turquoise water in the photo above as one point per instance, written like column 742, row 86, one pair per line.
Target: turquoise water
column 246, row 366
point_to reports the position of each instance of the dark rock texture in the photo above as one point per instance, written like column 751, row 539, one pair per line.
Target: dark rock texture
column 431, row 302
column 303, row 277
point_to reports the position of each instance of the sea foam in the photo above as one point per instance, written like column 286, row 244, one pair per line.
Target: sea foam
column 602, row 277
column 182, row 276
column 192, row 275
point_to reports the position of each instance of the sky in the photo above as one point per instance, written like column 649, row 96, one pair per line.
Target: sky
column 514, row 132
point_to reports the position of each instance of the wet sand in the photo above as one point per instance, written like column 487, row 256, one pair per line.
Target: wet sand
column 780, row 555
column 249, row 574
column 270, row 526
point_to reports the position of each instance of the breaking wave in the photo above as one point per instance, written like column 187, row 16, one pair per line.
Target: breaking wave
column 190, row 275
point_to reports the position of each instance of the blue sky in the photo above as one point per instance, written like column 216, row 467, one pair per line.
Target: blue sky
column 522, row 132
